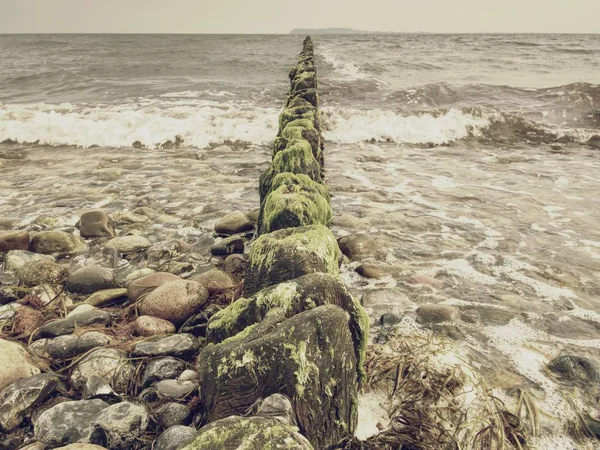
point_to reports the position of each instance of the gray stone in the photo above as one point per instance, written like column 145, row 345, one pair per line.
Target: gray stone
column 43, row 271
column 17, row 363
column 129, row 244
column 18, row 398
column 14, row 240
column 146, row 284
column 175, row 389
column 432, row 314
column 175, row 437
column 95, row 224
column 48, row 242
column 140, row 273
column 233, row 223
column 359, row 247
column 227, row 246
column 576, row 368
column 108, row 363
column 119, row 425
column 8, row 294
column 162, row 369
column 68, row 422
column 88, row 280
column 179, row 345
column 69, row 345
column 189, row 375
column 98, row 387
column 68, row 324
column 390, row 319
column 173, row 413
column 175, row 301
column 15, row 259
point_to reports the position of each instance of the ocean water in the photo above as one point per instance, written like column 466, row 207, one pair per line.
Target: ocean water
column 474, row 159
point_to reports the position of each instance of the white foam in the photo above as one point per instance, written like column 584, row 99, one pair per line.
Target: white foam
column 372, row 409
column 352, row 125
column 198, row 123
column 347, row 70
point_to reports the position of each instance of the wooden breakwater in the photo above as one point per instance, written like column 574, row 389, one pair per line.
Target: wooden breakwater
column 297, row 331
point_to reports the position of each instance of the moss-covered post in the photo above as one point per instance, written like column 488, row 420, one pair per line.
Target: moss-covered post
column 297, row 331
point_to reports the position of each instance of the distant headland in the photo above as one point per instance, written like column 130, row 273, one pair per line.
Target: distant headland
column 335, row 31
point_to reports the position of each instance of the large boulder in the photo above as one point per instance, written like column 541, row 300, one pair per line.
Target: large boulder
column 293, row 297
column 310, row 358
column 48, row 242
column 175, row 301
column 111, row 364
column 43, row 271
column 14, row 240
column 290, row 253
column 294, row 201
column 17, row 399
column 17, row 363
column 233, row 223
column 297, row 159
column 97, row 223
column 146, row 284
column 88, row 280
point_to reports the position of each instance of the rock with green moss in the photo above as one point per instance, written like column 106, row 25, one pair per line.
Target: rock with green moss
column 251, row 433
column 296, row 159
column 310, row 95
column 288, row 254
column 296, row 296
column 304, row 80
column 297, row 130
column 294, row 201
column 309, row 113
column 309, row 358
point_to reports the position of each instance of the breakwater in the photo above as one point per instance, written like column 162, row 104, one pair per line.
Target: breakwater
column 297, row 331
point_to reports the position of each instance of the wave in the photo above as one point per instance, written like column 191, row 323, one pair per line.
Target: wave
column 443, row 127
column 149, row 122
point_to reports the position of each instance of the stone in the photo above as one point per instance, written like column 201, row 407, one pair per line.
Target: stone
column 9, row 294
column 374, row 270
column 174, row 301
column 108, row 363
column 68, row 422
column 98, row 387
column 228, row 246
column 16, row 363
column 48, row 242
column 162, row 369
column 358, row 247
column 290, row 253
column 146, row 211
column 70, row 323
column 88, row 280
column 253, row 215
column 235, row 265
column 181, row 345
column 69, row 346
column 107, row 297
column 7, row 223
column 14, row 240
column 576, row 368
column 309, row 357
column 140, row 273
column 48, row 293
column 237, row 432
column 95, row 224
column 278, row 407
column 215, row 281
column 119, row 425
column 80, row 446
column 128, row 244
column 18, row 398
column 15, row 259
column 128, row 217
column 175, row 389
column 390, row 319
column 146, row 284
column 173, row 413
column 432, row 314
column 151, row 326
column 43, row 271
column 175, row 437
column 189, row 375
column 234, row 223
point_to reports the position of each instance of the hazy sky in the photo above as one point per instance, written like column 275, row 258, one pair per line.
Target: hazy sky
column 280, row 16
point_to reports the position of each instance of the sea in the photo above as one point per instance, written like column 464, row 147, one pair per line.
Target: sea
column 474, row 160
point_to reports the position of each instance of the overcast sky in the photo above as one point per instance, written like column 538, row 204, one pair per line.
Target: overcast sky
column 280, row 16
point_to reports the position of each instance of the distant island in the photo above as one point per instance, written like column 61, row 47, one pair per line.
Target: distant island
column 334, row 31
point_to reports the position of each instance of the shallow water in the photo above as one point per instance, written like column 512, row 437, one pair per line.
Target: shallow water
column 476, row 174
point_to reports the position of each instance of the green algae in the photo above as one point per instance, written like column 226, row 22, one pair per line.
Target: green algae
column 305, row 368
